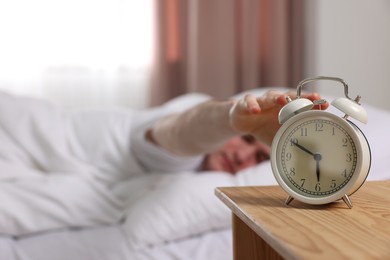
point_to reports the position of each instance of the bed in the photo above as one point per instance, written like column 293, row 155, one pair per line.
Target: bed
column 52, row 209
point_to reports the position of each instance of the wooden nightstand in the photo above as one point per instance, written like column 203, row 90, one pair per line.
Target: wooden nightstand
column 264, row 227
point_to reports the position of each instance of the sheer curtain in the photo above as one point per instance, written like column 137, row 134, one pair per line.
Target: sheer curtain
column 77, row 52
column 221, row 47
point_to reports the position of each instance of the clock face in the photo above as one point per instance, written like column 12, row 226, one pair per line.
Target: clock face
column 316, row 156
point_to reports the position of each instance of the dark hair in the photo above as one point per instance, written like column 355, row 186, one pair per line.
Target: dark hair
column 250, row 139
column 260, row 155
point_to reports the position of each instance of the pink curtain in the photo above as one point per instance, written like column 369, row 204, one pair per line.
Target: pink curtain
column 222, row 47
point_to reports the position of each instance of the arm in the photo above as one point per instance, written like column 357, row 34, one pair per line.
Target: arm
column 208, row 126
column 197, row 130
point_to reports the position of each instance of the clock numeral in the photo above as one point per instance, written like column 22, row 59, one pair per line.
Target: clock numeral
column 333, row 184
column 344, row 173
column 288, row 156
column 304, row 131
column 345, row 141
column 302, row 182
column 348, row 157
column 319, row 127
column 293, row 141
column 333, row 131
column 292, row 171
column 318, row 187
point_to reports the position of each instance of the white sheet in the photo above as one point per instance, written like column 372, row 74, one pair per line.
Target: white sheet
column 77, row 203
column 108, row 243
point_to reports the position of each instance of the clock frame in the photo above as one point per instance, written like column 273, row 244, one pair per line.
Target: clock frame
column 318, row 169
column 343, row 156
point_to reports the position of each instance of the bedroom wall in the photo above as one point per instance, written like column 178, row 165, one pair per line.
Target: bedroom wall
column 350, row 39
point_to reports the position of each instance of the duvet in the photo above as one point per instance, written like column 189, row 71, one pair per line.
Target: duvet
column 64, row 171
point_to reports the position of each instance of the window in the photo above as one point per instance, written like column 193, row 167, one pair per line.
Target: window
column 77, row 52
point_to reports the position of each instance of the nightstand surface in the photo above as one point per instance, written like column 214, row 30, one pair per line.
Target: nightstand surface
column 301, row 231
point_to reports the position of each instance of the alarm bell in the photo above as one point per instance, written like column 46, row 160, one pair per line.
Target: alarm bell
column 345, row 104
column 294, row 107
column 297, row 106
column 351, row 108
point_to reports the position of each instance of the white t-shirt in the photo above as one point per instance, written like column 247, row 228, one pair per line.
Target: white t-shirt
column 152, row 157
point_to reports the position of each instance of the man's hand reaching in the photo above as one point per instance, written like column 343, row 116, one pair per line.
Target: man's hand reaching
column 258, row 116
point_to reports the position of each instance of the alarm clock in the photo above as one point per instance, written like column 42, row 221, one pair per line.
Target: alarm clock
column 318, row 157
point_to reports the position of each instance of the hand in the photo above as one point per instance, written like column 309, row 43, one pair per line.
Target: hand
column 259, row 115
column 302, row 148
column 318, row 158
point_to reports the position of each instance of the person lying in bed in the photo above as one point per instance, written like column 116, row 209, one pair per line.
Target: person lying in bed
column 62, row 169
column 226, row 136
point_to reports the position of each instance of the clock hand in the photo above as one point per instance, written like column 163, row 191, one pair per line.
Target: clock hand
column 318, row 170
column 318, row 158
column 301, row 147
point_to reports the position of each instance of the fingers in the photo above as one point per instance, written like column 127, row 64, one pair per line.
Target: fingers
column 272, row 99
column 252, row 104
column 316, row 96
column 311, row 96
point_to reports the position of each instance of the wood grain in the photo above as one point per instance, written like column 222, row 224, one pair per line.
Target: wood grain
column 248, row 245
column 301, row 231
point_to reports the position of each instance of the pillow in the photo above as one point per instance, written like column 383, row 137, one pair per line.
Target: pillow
column 175, row 206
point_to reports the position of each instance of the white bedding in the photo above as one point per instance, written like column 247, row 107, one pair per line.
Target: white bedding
column 62, row 197
column 108, row 243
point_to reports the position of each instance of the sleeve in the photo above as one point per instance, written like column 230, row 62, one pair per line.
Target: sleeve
column 154, row 158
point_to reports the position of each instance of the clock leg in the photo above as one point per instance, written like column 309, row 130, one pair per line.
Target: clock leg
column 289, row 199
column 347, row 201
